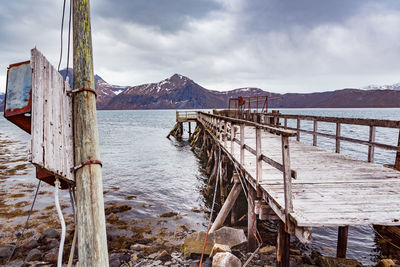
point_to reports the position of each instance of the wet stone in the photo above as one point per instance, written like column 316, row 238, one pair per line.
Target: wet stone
column 52, row 255
column 53, row 244
column 50, row 233
column 31, row 244
column 34, row 255
column 5, row 251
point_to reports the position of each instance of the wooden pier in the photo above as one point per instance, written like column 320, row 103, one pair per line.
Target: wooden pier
column 302, row 186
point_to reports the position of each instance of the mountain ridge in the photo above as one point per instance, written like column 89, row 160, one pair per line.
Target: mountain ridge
column 180, row 92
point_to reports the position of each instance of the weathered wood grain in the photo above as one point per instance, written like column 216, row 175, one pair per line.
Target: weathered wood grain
column 52, row 140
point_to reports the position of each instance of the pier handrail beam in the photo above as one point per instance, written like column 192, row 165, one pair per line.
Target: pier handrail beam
column 214, row 122
column 271, row 129
column 372, row 123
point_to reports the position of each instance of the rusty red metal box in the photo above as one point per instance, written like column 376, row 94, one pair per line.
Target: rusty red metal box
column 18, row 101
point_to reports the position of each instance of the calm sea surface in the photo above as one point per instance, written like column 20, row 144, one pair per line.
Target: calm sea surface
column 155, row 175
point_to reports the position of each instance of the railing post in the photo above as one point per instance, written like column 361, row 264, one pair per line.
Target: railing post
column 225, row 133
column 287, row 180
column 258, row 155
column 233, row 135
column 298, row 130
column 285, row 123
column 220, row 135
column 338, row 126
column 177, row 115
column 242, row 144
column 315, row 133
column 371, row 148
column 397, row 163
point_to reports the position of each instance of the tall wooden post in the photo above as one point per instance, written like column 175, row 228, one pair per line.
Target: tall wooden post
column 91, row 219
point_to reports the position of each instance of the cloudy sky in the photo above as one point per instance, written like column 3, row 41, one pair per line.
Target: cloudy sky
column 277, row 45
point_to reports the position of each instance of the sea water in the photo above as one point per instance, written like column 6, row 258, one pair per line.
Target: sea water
column 155, row 175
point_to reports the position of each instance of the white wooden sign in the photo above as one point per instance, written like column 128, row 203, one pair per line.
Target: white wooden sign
column 52, row 126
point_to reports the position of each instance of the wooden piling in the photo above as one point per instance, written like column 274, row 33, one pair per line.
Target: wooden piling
column 283, row 246
column 235, row 212
column 251, row 220
column 342, row 241
column 92, row 240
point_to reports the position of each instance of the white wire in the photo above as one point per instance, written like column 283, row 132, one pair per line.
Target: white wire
column 60, row 215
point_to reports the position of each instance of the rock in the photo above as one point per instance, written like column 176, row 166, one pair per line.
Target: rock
column 112, row 218
column 115, row 259
column 31, row 244
column 34, row 255
column 386, row 263
column 5, row 251
column 328, row 249
column 17, row 263
column 53, row 244
column 219, row 248
column 52, row 255
column 125, row 257
column 323, row 261
column 152, row 256
column 294, row 251
column 50, row 233
column 139, row 247
column 225, row 259
column 267, row 250
column 207, row 263
column 158, row 262
column 226, row 236
column 164, row 255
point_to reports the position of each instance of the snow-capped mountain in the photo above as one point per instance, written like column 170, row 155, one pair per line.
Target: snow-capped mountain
column 395, row 86
column 105, row 91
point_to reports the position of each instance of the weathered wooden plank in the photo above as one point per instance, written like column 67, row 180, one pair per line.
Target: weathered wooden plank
column 51, row 143
column 37, row 108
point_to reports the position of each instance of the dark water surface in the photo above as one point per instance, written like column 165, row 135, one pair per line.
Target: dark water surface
column 155, row 175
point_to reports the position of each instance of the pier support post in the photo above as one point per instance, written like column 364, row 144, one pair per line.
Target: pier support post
column 226, row 208
column 342, row 242
column 235, row 209
column 251, row 220
column 283, row 246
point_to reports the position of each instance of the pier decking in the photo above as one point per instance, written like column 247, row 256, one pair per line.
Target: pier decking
column 304, row 185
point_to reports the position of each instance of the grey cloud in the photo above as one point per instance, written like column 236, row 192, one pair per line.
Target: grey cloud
column 277, row 15
column 162, row 14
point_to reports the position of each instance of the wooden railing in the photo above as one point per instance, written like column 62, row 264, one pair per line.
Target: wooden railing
column 218, row 126
column 274, row 118
column 186, row 115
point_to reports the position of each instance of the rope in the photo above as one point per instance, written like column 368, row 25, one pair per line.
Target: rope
column 244, row 187
column 62, row 29
column 26, row 223
column 71, row 254
column 212, row 207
